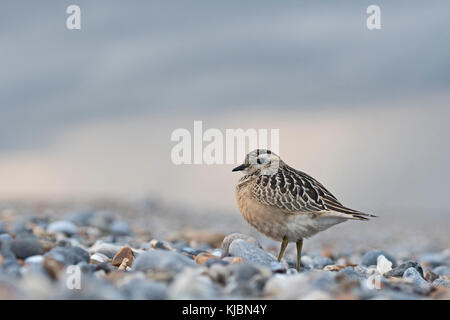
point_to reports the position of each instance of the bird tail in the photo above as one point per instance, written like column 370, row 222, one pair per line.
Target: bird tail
column 348, row 213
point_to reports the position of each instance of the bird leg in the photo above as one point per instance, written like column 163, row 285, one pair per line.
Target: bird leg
column 284, row 244
column 299, row 253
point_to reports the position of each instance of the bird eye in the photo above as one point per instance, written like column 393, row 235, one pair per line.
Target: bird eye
column 258, row 160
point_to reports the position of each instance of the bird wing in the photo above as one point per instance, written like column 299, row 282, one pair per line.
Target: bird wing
column 294, row 191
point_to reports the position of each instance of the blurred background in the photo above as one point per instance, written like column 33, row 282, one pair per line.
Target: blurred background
column 87, row 114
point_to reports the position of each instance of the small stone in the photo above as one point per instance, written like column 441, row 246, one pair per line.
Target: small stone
column 236, row 260
column 37, row 260
column 432, row 259
column 24, row 248
column 203, row 257
column 370, row 258
column 197, row 236
column 144, row 289
column 251, row 253
column 191, row 284
column 320, row 262
column 63, row 226
column 159, row 260
column 191, row 251
column 108, row 249
column 333, row 267
column 211, row 262
column 97, row 258
column 124, row 253
column 53, row 267
column 430, row 276
column 120, row 228
column 123, row 266
column 442, row 270
column 411, row 274
column 81, row 218
column 69, row 256
column 3, row 228
column 441, row 283
column 5, row 241
column 234, row 236
column 159, row 244
column 400, row 270
column 383, row 264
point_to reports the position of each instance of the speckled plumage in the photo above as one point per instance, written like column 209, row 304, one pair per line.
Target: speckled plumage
column 280, row 201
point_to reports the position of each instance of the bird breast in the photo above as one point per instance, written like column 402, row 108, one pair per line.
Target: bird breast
column 276, row 223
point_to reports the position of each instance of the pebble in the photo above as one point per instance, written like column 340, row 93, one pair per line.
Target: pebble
column 414, row 276
column 124, row 253
column 63, row 226
column 442, row 271
column 400, row 270
column 383, row 264
column 370, row 258
column 234, row 236
column 24, row 248
column 432, row 259
column 97, row 258
column 251, row 253
column 197, row 236
column 120, row 228
column 68, row 256
column 159, row 260
column 81, row 218
column 430, row 276
column 192, row 285
column 158, row 244
column 143, row 289
column 441, row 282
column 3, row 228
column 320, row 262
column 37, row 260
column 5, row 241
column 108, row 249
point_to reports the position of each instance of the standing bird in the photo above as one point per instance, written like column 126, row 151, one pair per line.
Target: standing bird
column 285, row 204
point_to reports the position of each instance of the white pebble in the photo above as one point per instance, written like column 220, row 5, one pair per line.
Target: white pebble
column 383, row 264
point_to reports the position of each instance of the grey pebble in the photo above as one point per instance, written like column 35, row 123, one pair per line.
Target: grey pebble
column 319, row 262
column 370, row 258
column 413, row 275
column 68, row 256
column 24, row 248
column 120, row 228
column 62, row 226
column 433, row 259
column 35, row 260
column 442, row 270
column 3, row 228
column 159, row 260
column 251, row 253
column 235, row 236
column 81, row 218
column 108, row 249
column 5, row 241
column 143, row 289
column 400, row 270
column 441, row 282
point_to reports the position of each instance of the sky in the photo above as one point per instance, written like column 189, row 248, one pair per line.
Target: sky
column 90, row 112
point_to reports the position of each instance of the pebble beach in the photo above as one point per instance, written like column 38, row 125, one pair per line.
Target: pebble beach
column 148, row 250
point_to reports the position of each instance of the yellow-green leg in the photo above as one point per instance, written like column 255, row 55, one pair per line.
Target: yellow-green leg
column 284, row 244
column 299, row 253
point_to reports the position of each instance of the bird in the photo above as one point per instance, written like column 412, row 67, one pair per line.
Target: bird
column 286, row 204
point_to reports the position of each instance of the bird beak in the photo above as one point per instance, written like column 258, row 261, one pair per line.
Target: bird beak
column 240, row 168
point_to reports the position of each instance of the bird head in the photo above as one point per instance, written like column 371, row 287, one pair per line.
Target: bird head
column 260, row 162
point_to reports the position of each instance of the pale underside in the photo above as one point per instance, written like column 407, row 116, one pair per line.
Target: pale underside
column 290, row 203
